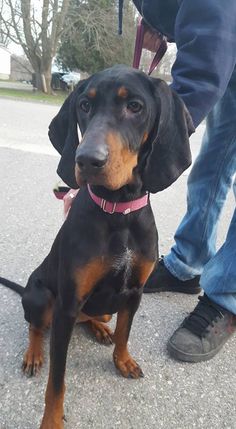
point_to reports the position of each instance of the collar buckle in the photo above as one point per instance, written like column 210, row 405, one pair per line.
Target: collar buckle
column 103, row 207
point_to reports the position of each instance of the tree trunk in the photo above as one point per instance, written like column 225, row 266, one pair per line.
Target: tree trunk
column 42, row 81
column 48, row 78
column 37, row 81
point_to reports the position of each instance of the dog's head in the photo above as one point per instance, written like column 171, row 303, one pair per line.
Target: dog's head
column 130, row 124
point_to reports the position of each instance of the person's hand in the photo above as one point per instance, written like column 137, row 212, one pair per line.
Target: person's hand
column 68, row 200
column 152, row 39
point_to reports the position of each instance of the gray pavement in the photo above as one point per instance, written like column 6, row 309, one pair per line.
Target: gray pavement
column 172, row 395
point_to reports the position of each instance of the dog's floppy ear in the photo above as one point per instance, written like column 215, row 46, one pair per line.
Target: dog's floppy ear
column 167, row 152
column 64, row 136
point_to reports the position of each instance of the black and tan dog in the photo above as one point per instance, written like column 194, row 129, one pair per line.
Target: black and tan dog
column 135, row 139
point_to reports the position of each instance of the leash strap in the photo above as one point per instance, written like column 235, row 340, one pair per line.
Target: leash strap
column 120, row 16
column 158, row 56
column 139, row 46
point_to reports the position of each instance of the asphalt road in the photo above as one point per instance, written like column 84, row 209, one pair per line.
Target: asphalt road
column 172, row 395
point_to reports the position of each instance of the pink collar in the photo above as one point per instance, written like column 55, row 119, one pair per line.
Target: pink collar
column 124, row 208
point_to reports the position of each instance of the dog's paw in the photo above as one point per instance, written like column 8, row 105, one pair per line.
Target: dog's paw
column 103, row 333
column 32, row 362
column 128, row 367
column 50, row 424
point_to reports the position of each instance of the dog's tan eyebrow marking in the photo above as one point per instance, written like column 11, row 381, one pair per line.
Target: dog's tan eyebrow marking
column 92, row 93
column 122, row 92
column 145, row 137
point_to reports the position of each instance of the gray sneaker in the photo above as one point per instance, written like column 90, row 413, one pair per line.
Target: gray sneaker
column 202, row 333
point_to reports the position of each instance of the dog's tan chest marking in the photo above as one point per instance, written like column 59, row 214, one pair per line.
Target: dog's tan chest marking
column 86, row 278
column 144, row 268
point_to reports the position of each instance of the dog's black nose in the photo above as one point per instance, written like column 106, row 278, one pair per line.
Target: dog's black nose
column 92, row 160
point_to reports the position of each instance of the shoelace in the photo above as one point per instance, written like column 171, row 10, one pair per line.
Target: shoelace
column 205, row 314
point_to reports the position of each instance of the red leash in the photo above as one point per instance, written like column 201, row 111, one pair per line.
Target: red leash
column 139, row 46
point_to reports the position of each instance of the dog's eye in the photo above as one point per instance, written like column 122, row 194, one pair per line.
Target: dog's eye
column 134, row 106
column 85, row 106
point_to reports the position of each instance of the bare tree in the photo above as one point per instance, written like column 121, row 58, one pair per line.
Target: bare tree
column 91, row 41
column 4, row 40
column 98, row 21
column 37, row 26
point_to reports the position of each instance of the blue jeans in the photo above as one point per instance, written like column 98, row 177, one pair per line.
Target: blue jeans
column 211, row 177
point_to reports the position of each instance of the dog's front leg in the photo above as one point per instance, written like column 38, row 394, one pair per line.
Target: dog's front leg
column 122, row 359
column 62, row 326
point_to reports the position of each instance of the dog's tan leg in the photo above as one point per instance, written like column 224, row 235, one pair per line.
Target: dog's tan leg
column 62, row 326
column 122, row 359
column 98, row 326
column 33, row 357
column 53, row 414
column 102, row 332
column 64, row 318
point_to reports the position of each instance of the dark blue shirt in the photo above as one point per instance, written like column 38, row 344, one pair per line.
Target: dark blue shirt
column 205, row 35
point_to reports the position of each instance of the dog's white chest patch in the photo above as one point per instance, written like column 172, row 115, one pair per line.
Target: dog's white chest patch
column 124, row 262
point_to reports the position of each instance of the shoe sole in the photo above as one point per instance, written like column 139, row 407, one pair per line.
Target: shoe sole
column 187, row 357
column 188, row 291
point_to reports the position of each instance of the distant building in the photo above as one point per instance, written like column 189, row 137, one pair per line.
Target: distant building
column 5, row 63
column 21, row 69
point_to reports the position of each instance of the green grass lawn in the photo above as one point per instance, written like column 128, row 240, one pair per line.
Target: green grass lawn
column 36, row 96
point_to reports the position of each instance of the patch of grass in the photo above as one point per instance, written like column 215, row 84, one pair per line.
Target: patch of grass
column 36, row 96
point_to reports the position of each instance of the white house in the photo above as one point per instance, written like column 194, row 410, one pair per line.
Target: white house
column 5, row 63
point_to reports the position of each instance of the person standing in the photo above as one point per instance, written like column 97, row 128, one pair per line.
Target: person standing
column 204, row 76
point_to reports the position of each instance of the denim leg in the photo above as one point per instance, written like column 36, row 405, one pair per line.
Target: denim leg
column 219, row 275
column 208, row 184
